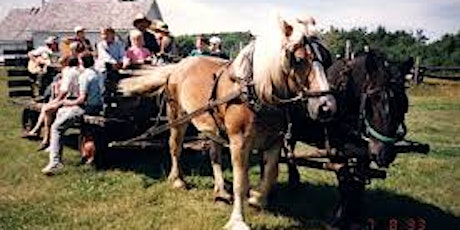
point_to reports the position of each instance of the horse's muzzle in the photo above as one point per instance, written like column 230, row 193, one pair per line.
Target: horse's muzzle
column 327, row 108
column 382, row 153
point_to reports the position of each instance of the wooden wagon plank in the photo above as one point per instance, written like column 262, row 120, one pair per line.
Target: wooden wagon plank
column 15, row 52
column 17, row 62
column 19, row 83
column 20, row 93
column 17, row 72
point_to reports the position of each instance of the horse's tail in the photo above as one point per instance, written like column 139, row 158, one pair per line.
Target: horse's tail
column 152, row 82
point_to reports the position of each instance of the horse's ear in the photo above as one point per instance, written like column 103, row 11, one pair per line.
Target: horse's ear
column 406, row 66
column 285, row 27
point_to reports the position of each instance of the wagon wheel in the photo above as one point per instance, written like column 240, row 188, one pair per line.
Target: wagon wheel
column 29, row 119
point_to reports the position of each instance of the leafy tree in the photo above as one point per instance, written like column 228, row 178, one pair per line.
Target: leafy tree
column 397, row 45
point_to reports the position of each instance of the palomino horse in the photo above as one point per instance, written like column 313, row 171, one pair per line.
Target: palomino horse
column 279, row 66
column 371, row 103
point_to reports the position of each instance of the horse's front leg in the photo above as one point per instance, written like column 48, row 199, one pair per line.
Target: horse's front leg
column 293, row 172
column 220, row 194
column 239, row 148
column 258, row 198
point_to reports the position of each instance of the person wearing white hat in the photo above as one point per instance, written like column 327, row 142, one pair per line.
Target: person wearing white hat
column 80, row 37
column 142, row 23
column 215, row 45
column 39, row 60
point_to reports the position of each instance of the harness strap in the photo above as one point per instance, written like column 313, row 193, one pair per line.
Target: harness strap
column 374, row 133
column 184, row 119
column 213, row 111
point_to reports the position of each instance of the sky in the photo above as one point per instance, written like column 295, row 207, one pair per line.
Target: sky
column 435, row 17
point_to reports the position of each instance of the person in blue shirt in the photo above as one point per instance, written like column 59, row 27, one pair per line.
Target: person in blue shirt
column 89, row 101
column 109, row 50
column 200, row 46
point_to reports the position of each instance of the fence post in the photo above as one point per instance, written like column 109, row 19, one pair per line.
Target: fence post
column 348, row 49
column 418, row 77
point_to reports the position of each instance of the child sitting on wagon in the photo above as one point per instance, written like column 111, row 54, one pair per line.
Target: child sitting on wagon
column 136, row 54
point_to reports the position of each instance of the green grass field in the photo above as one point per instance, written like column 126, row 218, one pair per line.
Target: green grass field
column 136, row 195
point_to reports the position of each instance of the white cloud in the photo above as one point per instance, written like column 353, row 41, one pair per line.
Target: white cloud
column 206, row 16
column 436, row 17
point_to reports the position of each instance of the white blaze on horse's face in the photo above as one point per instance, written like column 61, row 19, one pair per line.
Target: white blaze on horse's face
column 319, row 108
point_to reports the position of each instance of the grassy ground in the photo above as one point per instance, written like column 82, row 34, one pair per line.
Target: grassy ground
column 422, row 188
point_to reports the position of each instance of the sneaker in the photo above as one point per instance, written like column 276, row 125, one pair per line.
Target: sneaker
column 52, row 168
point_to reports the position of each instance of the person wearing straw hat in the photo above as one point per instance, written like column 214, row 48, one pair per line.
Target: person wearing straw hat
column 80, row 38
column 164, row 39
column 142, row 23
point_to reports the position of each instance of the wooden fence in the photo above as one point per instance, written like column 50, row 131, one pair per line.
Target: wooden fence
column 19, row 84
column 450, row 73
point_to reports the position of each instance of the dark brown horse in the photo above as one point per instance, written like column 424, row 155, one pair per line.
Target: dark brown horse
column 371, row 106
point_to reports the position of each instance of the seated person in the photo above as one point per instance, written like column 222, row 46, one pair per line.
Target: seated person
column 165, row 40
column 39, row 61
column 63, row 87
column 80, row 38
column 200, row 46
column 137, row 53
column 89, row 101
column 142, row 23
column 109, row 50
column 215, row 45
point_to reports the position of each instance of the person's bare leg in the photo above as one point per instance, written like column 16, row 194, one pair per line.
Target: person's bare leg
column 47, row 124
column 41, row 119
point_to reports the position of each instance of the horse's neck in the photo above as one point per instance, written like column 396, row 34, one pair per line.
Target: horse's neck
column 244, row 63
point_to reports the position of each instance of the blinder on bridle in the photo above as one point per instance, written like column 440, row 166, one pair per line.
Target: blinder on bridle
column 369, row 127
column 313, row 46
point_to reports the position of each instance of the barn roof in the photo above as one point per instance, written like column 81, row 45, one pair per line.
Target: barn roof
column 64, row 15
column 14, row 24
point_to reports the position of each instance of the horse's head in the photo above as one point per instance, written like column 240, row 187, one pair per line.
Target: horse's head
column 383, row 106
column 301, row 70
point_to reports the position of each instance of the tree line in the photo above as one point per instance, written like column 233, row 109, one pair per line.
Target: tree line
column 397, row 45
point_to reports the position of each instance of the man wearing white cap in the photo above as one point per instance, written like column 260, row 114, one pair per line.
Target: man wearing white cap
column 142, row 23
column 39, row 60
column 83, row 42
column 215, row 45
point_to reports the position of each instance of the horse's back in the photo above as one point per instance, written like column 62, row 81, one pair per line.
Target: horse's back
column 193, row 79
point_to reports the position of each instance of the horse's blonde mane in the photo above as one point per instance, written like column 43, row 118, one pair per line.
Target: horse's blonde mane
column 268, row 59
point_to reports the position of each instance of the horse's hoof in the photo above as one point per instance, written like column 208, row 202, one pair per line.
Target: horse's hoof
column 293, row 182
column 224, row 197
column 256, row 200
column 236, row 225
column 179, row 184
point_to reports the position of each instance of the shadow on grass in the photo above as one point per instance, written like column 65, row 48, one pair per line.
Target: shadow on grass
column 310, row 204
